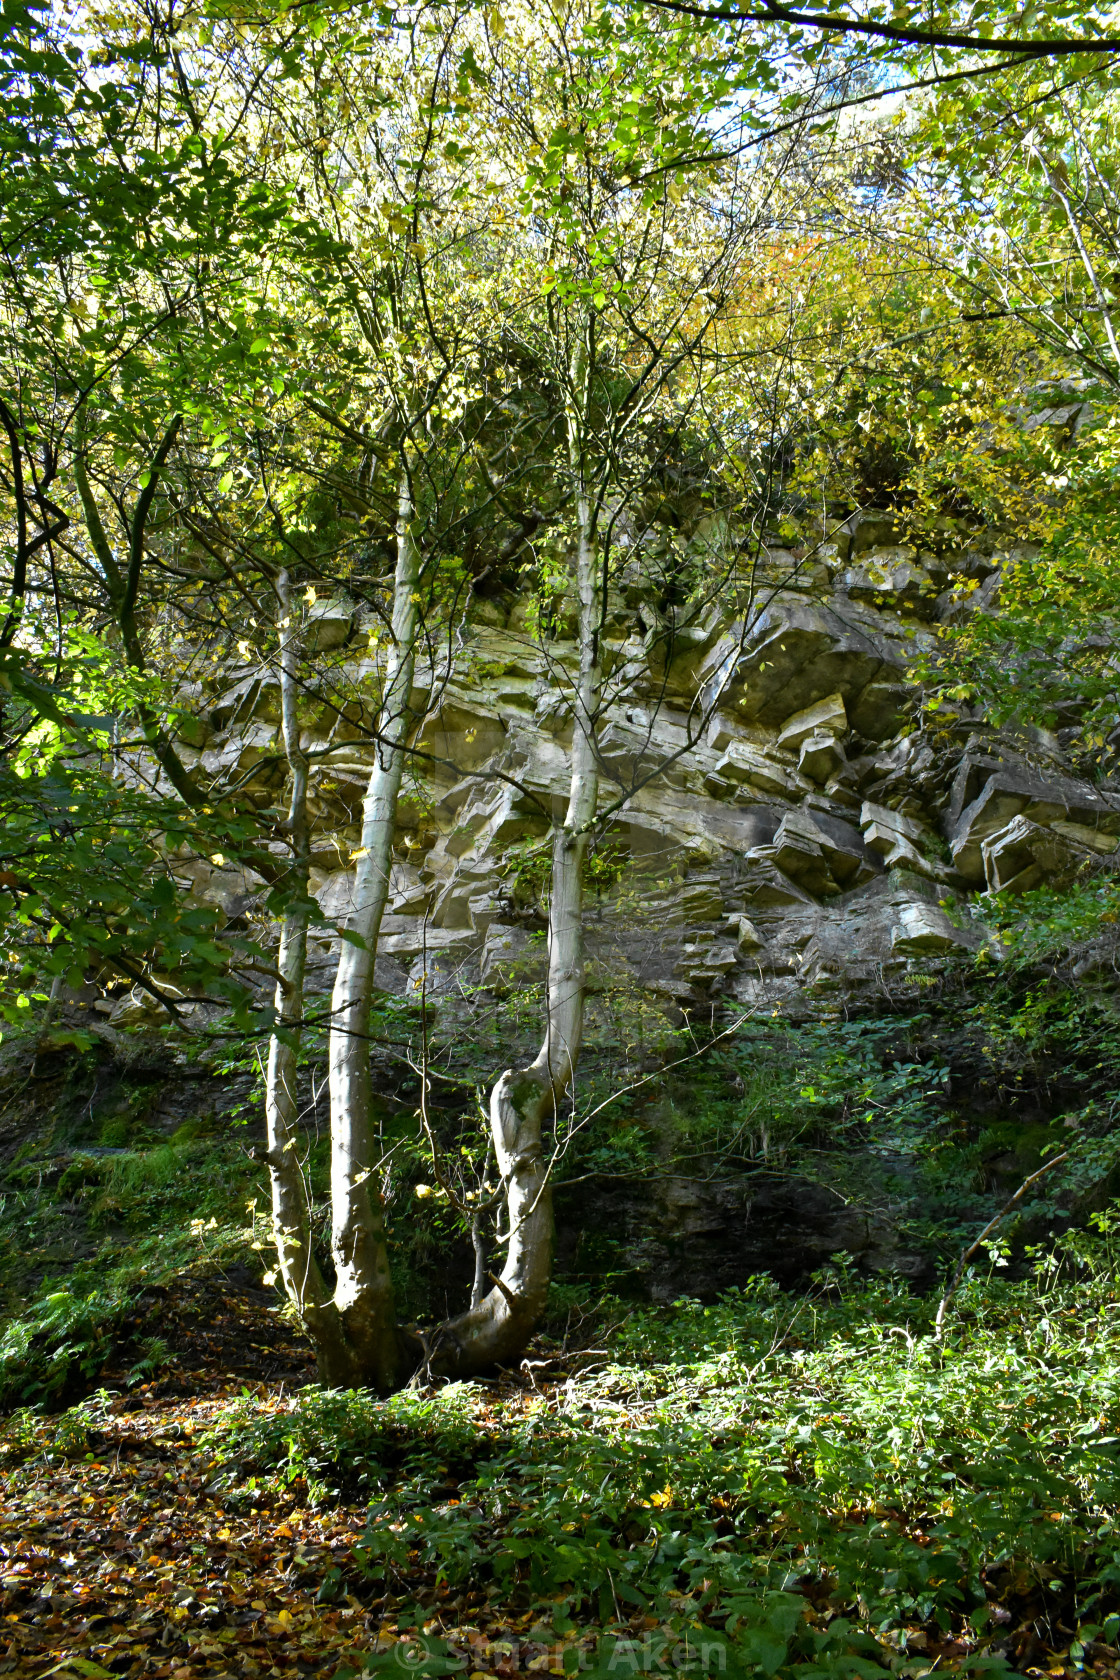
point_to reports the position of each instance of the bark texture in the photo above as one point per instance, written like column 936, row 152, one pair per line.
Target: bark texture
column 372, row 1349
column 525, row 1100
column 291, row 1223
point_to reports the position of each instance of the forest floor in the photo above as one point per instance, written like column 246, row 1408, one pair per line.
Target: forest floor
column 119, row 1558
column 147, row 1533
column 119, row 1562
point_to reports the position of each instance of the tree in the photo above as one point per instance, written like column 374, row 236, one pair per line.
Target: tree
column 430, row 368
column 912, row 27
column 108, row 214
column 1023, row 227
column 432, row 301
column 399, row 304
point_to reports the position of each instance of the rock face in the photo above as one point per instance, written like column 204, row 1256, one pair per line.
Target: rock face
column 785, row 835
column 784, row 827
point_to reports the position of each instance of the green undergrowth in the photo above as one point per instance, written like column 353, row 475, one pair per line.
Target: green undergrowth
column 816, row 1482
column 83, row 1235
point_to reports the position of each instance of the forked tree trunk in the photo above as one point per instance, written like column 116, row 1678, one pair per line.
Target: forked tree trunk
column 525, row 1099
column 357, row 1339
column 372, row 1350
column 291, row 1221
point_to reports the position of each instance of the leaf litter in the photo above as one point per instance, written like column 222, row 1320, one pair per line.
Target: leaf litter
column 713, row 1480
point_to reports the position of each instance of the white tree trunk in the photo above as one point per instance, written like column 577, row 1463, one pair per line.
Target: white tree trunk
column 525, row 1099
column 363, row 1297
column 291, row 1222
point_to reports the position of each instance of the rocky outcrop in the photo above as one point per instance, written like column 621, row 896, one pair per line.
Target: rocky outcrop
column 786, row 832
column 783, row 825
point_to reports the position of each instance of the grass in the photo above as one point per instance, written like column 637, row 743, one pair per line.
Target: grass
column 814, row 1483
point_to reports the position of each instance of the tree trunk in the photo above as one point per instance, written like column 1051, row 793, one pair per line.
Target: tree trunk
column 291, row 1221
column 525, row 1099
column 373, row 1349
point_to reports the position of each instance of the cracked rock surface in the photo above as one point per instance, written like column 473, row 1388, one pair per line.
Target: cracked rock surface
column 786, row 825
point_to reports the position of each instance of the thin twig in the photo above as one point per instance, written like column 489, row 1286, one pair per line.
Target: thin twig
column 494, row 1278
column 954, row 1281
